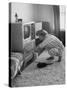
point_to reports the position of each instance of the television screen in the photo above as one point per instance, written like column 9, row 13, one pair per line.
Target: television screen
column 32, row 31
column 26, row 31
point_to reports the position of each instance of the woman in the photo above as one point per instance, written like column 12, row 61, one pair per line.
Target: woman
column 52, row 44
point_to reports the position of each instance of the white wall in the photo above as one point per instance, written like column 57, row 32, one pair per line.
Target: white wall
column 46, row 14
column 24, row 11
column 33, row 12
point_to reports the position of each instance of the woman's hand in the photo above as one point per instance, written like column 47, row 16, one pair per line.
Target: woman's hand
column 37, row 49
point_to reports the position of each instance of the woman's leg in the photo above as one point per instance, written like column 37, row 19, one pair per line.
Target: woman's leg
column 55, row 53
column 50, row 58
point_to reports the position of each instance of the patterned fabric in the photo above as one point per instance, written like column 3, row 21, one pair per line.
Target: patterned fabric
column 53, row 45
column 14, row 65
column 17, row 55
column 16, row 62
column 55, row 52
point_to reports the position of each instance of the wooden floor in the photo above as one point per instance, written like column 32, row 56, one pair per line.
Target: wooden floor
column 32, row 76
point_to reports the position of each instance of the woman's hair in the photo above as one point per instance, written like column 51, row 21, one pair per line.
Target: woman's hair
column 41, row 33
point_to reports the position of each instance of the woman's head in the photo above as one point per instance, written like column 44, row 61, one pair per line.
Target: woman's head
column 41, row 34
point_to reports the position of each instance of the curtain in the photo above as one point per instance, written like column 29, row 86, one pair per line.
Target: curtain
column 56, row 20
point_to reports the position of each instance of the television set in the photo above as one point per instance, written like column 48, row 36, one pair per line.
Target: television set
column 26, row 31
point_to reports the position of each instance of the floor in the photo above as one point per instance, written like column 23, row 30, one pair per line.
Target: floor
column 32, row 76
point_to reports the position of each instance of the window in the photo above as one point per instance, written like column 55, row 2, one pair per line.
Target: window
column 62, row 17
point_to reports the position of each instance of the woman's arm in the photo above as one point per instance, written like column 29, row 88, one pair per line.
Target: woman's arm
column 39, row 50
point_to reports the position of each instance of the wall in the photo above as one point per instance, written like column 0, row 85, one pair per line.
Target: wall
column 33, row 12
column 24, row 11
column 44, row 13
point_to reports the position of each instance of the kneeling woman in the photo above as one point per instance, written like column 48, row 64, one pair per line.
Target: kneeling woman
column 52, row 44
